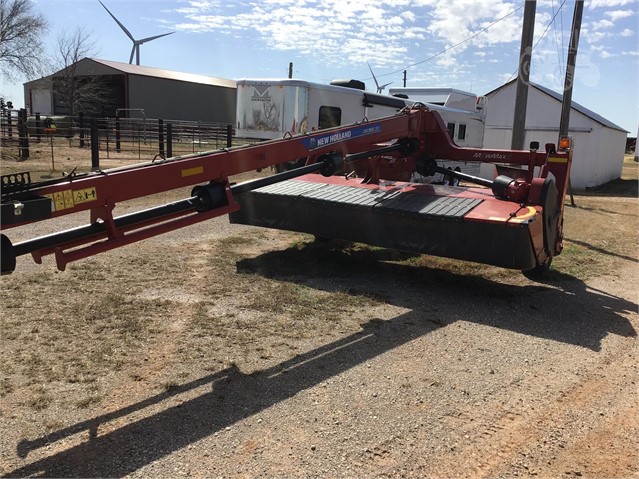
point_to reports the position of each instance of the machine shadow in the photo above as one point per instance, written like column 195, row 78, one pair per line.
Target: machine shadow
column 551, row 310
column 427, row 292
column 233, row 396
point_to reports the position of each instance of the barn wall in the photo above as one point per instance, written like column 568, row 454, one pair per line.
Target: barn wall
column 598, row 150
column 177, row 100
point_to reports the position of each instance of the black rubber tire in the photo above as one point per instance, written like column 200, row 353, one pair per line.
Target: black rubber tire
column 7, row 255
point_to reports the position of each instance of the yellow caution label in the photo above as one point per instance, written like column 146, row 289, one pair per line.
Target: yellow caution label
column 84, row 196
column 192, row 171
column 557, row 159
column 63, row 200
column 58, row 200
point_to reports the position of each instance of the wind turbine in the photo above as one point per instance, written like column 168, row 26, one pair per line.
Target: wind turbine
column 136, row 43
column 380, row 89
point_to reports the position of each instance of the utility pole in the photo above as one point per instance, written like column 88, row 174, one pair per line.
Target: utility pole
column 290, row 70
column 570, row 68
column 523, row 76
column 566, row 103
column 404, row 78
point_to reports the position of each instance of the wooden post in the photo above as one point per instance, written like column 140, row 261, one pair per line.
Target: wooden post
column 566, row 103
column 23, row 135
column 523, row 76
column 81, row 114
column 229, row 136
column 161, row 137
column 117, row 134
column 38, row 127
column 95, row 145
column 9, row 127
column 169, row 140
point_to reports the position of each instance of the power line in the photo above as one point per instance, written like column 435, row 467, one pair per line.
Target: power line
column 554, row 28
column 454, row 46
column 542, row 36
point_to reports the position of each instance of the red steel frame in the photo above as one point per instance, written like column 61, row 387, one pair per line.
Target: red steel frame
column 100, row 192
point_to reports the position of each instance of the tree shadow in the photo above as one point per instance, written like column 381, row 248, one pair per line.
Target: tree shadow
column 603, row 251
column 434, row 297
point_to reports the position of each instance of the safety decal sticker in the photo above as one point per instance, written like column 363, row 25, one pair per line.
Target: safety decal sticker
column 192, row 171
column 557, row 159
column 62, row 200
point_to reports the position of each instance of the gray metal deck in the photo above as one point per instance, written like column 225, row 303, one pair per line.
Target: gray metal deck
column 352, row 196
column 418, row 222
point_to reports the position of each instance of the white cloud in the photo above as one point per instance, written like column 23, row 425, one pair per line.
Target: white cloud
column 602, row 24
column 626, row 32
column 618, row 14
column 408, row 15
column 454, row 22
column 608, row 3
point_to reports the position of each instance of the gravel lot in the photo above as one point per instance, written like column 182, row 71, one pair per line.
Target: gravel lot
column 381, row 365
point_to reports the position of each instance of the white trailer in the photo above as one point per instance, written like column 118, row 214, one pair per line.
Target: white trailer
column 271, row 108
column 268, row 109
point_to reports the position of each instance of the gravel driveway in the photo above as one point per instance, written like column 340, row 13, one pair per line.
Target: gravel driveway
column 423, row 373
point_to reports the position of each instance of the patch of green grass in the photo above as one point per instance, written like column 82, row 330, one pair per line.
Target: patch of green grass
column 578, row 262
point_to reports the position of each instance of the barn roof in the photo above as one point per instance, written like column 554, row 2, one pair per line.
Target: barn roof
column 167, row 74
column 576, row 106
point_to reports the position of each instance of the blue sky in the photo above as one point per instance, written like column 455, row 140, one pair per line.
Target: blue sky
column 329, row 39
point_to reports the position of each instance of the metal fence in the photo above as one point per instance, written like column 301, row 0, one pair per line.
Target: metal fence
column 108, row 138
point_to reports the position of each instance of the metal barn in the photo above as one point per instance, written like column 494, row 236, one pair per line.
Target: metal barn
column 142, row 91
column 599, row 143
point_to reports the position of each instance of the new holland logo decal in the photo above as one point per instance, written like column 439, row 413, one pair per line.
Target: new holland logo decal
column 318, row 141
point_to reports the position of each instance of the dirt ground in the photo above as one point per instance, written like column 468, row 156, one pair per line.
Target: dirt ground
column 230, row 351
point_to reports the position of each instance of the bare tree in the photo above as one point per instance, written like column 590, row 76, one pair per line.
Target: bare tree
column 74, row 91
column 21, row 33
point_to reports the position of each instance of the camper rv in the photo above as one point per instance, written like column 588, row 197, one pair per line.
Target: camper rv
column 462, row 112
column 269, row 109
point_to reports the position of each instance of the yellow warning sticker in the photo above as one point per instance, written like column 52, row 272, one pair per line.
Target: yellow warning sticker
column 63, row 200
column 557, row 159
column 192, row 171
column 85, row 195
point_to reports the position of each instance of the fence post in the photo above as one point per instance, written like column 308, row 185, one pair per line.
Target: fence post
column 23, row 135
column 95, row 145
column 229, row 136
column 38, row 127
column 169, row 140
column 117, row 134
column 81, row 114
column 161, row 136
column 9, row 129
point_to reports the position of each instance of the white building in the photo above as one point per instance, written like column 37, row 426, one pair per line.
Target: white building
column 599, row 144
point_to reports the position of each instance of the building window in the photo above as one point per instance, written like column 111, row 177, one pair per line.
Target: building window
column 451, row 130
column 461, row 133
column 329, row 116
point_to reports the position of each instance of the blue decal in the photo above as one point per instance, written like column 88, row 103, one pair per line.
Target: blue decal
column 314, row 142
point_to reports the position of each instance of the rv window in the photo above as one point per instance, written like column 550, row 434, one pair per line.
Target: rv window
column 461, row 133
column 451, row 130
column 329, row 116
